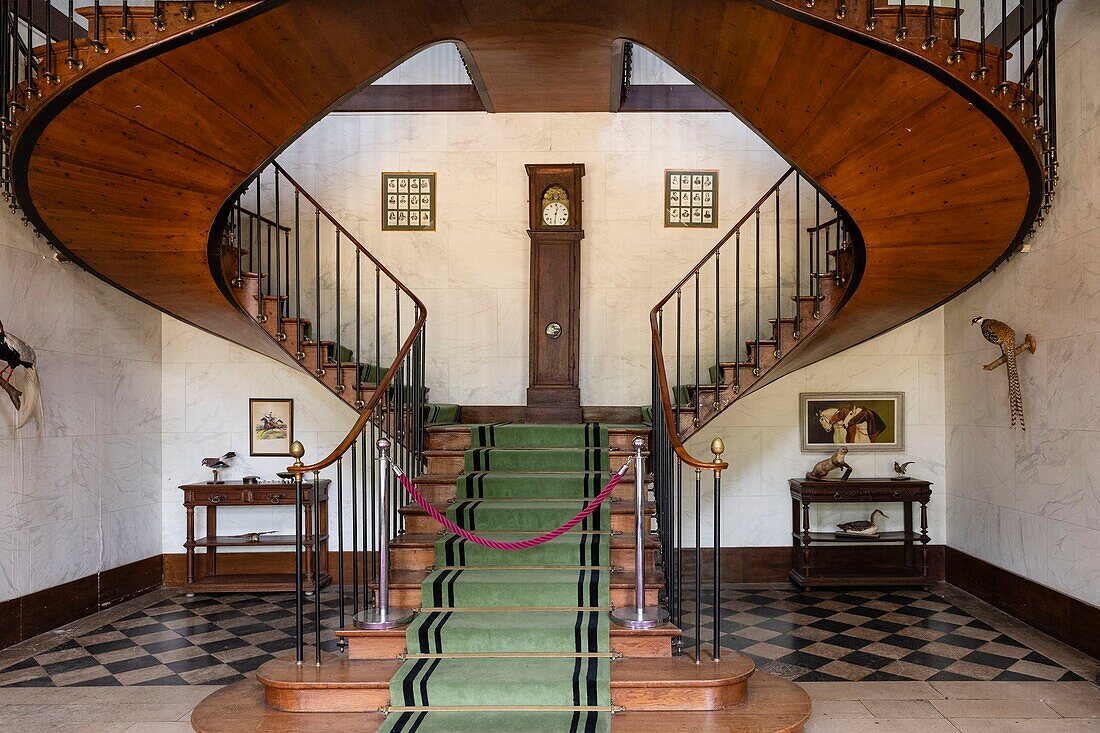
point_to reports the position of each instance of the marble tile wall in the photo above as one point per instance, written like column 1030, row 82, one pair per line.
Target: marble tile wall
column 763, row 445
column 80, row 490
column 1029, row 501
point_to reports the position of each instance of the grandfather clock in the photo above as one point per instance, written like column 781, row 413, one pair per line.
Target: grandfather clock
column 554, row 393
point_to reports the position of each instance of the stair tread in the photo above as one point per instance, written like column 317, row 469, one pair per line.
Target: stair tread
column 618, row 578
column 666, row 629
column 617, row 507
column 364, row 674
column 424, row 540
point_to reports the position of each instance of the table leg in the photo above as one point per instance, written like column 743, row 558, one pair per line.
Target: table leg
column 212, row 531
column 795, row 541
column 908, row 510
column 806, row 539
column 322, row 521
column 924, row 537
column 190, row 547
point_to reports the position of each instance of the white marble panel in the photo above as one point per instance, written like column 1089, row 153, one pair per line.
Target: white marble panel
column 56, row 553
column 1051, row 480
column 126, row 537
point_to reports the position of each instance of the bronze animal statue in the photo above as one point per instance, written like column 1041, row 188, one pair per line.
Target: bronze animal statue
column 822, row 468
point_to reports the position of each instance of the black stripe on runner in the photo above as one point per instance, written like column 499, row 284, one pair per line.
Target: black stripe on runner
column 575, row 722
column 420, row 719
column 451, row 588
column 593, row 632
column 492, row 435
column 462, row 552
column 577, row 632
column 407, row 685
column 402, row 721
column 439, row 632
column 424, row 630
column 424, row 681
column 577, row 682
column 437, row 587
column 592, row 718
column 593, row 587
column 591, row 679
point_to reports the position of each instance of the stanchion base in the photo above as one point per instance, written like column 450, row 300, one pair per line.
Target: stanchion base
column 632, row 617
column 379, row 619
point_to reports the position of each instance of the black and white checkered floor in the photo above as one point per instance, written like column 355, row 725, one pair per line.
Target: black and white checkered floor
column 805, row 636
column 867, row 635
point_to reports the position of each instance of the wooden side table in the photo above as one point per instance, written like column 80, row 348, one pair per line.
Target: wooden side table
column 853, row 570
column 235, row 494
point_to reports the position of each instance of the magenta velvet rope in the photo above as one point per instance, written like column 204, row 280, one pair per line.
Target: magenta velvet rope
column 522, row 544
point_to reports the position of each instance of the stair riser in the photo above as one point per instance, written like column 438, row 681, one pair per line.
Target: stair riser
column 460, row 440
column 423, row 524
column 423, row 558
column 452, row 465
column 637, row 696
column 341, row 375
column 445, row 492
column 631, row 644
column 622, row 596
column 292, row 329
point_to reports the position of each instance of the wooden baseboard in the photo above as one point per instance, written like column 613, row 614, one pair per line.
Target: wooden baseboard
column 771, row 564
column 175, row 564
column 1066, row 619
column 28, row 616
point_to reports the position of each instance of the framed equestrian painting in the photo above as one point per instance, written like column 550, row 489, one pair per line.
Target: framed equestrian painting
column 861, row 421
column 271, row 428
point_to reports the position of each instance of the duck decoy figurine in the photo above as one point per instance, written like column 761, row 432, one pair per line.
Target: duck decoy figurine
column 866, row 528
column 15, row 353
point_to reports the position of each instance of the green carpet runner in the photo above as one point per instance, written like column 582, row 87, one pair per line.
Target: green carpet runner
column 526, row 628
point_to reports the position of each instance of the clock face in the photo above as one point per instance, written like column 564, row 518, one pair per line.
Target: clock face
column 555, row 214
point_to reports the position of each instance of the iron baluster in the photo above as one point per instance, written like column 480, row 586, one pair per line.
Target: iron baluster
column 354, row 538
column 297, row 450
column 756, row 349
column 97, row 45
column 158, row 15
column 798, row 256
column 298, row 353
column 778, row 281
column 340, row 537
column 316, row 496
column 257, row 243
column 903, row 31
column 50, row 76
column 679, row 388
column 737, row 313
column 1002, row 87
column 338, row 350
column 956, row 54
column 719, row 373
column 697, row 395
column 982, row 70
column 698, row 595
column 72, row 61
column 717, row 447
column 872, row 19
column 278, row 265
column 186, row 11
column 124, row 30
column 319, row 371
column 930, row 39
column 359, row 404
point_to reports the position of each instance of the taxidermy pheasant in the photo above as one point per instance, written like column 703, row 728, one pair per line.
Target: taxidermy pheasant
column 15, row 353
column 996, row 332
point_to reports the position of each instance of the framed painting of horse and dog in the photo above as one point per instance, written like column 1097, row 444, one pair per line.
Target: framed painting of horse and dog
column 861, row 421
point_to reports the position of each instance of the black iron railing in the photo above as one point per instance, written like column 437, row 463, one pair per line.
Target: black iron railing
column 347, row 319
column 751, row 299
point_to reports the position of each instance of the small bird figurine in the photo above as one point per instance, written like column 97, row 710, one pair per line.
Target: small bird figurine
column 253, row 537
column 15, row 353
column 218, row 464
column 899, row 469
column 996, row 332
column 863, row 527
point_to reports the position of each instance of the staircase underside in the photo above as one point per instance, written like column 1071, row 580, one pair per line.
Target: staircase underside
column 128, row 164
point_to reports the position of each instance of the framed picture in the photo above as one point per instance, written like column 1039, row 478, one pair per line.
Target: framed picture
column 408, row 202
column 691, row 199
column 271, row 427
column 861, row 421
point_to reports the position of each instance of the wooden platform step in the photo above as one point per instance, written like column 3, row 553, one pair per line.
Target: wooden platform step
column 359, row 686
column 771, row 705
column 417, row 520
column 634, row 643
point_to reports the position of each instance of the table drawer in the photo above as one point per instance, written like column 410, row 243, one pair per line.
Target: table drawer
column 216, row 495
column 275, row 495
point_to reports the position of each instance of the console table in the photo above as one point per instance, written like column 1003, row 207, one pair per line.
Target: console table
column 237, row 494
column 853, row 570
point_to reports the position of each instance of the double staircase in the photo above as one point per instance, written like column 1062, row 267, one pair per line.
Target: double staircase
column 140, row 140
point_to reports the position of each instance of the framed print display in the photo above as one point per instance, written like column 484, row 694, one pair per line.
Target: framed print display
column 691, row 199
column 271, row 426
column 861, row 421
column 408, row 202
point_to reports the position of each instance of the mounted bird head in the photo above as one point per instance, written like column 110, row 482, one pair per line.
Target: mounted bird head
column 977, row 320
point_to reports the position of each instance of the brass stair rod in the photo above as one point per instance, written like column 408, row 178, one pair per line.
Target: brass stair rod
column 383, row 616
column 638, row 616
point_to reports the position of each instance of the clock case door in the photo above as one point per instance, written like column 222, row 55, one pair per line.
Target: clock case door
column 554, row 392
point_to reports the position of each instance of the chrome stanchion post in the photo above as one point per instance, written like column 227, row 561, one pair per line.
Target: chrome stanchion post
column 638, row 616
column 383, row 616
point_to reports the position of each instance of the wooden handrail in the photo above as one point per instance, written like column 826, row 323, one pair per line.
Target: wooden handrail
column 387, row 379
column 265, row 220
column 658, row 350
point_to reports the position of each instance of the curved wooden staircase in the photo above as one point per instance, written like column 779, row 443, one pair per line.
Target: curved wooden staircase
column 130, row 151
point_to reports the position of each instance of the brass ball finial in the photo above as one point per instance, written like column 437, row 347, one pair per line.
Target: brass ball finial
column 717, row 447
column 297, row 450
column 638, row 443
